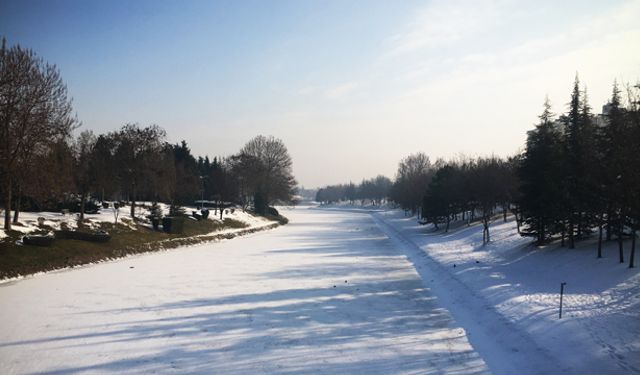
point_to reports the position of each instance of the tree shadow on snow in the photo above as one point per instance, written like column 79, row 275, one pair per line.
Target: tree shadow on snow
column 381, row 320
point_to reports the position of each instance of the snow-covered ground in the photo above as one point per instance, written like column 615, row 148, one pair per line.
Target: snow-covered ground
column 328, row 293
column 506, row 295
column 346, row 290
column 28, row 221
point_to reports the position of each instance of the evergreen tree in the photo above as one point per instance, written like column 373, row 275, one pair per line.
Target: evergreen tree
column 540, row 173
column 579, row 161
column 631, row 172
column 610, row 147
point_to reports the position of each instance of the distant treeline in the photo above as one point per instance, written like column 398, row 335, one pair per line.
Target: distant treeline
column 42, row 165
column 375, row 190
column 579, row 174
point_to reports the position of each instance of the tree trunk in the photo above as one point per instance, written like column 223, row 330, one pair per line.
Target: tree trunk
column 632, row 256
column 7, row 205
column 83, row 199
column 609, row 224
column 16, row 212
column 488, row 234
column 446, row 229
column 562, row 234
column 485, row 222
column 133, row 205
column 600, row 222
column 620, row 250
column 504, row 213
column 572, row 243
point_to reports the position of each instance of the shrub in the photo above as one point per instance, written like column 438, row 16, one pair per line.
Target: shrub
column 273, row 211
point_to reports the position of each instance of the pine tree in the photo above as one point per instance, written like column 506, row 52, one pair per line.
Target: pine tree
column 579, row 146
column 610, row 145
column 588, row 192
column 631, row 174
column 541, row 188
column 571, row 148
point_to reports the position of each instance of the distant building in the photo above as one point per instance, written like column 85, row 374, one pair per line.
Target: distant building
column 600, row 119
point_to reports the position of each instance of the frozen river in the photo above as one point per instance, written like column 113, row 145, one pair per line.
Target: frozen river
column 328, row 293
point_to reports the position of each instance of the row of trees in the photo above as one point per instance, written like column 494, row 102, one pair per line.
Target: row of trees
column 470, row 189
column 42, row 164
column 444, row 191
column 581, row 173
column 374, row 190
column 408, row 189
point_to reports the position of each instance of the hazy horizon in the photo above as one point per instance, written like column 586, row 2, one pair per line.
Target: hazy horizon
column 350, row 87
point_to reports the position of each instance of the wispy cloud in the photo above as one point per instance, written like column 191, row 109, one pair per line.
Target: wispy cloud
column 341, row 90
column 579, row 34
column 444, row 22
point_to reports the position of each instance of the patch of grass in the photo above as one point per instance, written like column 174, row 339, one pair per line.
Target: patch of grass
column 194, row 227
column 16, row 260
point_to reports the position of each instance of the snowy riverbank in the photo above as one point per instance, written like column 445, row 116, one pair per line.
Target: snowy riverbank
column 506, row 295
column 335, row 291
column 326, row 294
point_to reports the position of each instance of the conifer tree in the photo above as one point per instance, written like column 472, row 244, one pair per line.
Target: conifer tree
column 541, row 183
column 610, row 142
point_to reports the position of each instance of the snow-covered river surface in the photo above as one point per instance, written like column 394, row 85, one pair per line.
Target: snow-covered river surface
column 339, row 290
column 329, row 293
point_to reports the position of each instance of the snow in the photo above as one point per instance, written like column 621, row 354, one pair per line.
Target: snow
column 508, row 291
column 327, row 293
column 29, row 220
column 343, row 290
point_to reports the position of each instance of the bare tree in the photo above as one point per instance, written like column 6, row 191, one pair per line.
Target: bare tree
column 412, row 179
column 34, row 111
column 244, row 168
column 273, row 180
column 83, row 166
column 487, row 189
column 137, row 149
column 103, row 163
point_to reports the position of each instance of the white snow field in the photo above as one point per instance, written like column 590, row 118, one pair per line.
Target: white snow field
column 506, row 295
column 329, row 293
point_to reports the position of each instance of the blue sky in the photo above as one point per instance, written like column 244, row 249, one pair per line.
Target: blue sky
column 350, row 86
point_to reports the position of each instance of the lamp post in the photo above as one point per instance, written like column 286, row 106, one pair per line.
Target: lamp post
column 561, row 294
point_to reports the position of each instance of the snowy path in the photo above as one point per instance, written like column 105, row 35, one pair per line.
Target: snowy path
column 328, row 293
column 505, row 295
column 505, row 348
